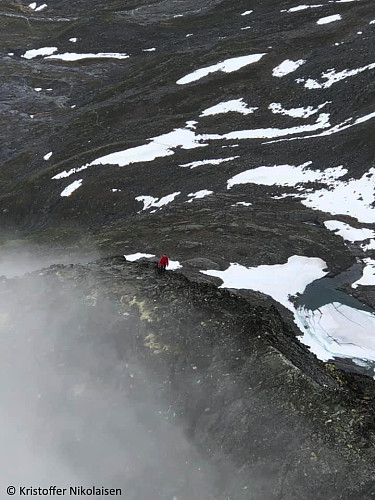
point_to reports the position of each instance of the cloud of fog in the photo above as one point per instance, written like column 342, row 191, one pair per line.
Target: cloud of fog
column 77, row 411
column 26, row 259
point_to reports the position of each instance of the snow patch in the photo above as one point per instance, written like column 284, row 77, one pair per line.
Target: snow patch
column 47, row 156
column 286, row 175
column 286, row 67
column 348, row 123
column 151, row 202
column 337, row 330
column 368, row 276
column 199, row 194
column 347, row 232
column 270, row 133
column 354, row 197
column 235, row 105
column 136, row 256
column 41, row 7
column 333, row 77
column 280, row 281
column 70, row 56
column 329, row 19
column 68, row 173
column 43, row 51
column 277, row 108
column 302, row 7
column 369, row 246
column 71, row 188
column 173, row 265
column 226, row 66
column 199, row 163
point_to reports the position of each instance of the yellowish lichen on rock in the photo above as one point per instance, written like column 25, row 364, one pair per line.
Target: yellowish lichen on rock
column 145, row 312
column 154, row 346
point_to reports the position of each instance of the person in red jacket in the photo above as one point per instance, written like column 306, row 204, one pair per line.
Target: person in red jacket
column 163, row 263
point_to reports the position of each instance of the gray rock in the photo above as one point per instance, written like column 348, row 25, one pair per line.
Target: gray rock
column 201, row 263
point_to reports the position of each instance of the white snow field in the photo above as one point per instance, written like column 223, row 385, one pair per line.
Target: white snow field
column 71, row 56
column 226, row 66
column 332, row 76
column 235, row 106
column 286, row 175
column 136, row 256
column 347, row 232
column 338, row 330
column 280, row 281
column 151, row 202
column 303, row 112
column 199, row 194
column 287, row 67
column 368, row 276
column 329, row 19
column 332, row 330
column 71, row 188
column 43, row 51
column 199, row 163
column 354, row 197
column 302, row 7
column 49, row 53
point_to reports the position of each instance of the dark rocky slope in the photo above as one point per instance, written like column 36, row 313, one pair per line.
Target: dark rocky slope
column 269, row 421
column 120, row 104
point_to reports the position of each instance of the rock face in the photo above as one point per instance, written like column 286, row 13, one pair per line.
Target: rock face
column 179, row 389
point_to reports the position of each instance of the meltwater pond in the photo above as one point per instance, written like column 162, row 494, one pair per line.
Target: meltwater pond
column 335, row 324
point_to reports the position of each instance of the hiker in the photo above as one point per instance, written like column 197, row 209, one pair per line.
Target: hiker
column 163, row 263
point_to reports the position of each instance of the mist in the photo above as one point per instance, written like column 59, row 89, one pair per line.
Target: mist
column 77, row 407
column 28, row 258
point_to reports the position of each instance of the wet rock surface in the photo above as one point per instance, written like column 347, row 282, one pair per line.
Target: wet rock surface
column 267, row 420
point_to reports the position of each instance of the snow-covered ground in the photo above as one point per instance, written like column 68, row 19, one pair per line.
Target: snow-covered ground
column 348, row 232
column 354, row 197
column 151, row 202
column 286, row 67
column 71, row 188
column 337, row 330
column 329, row 19
column 71, row 56
column 235, row 105
column 226, row 66
column 333, row 330
column 368, row 276
column 274, row 280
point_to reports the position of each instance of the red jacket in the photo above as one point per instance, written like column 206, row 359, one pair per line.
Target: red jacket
column 163, row 261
